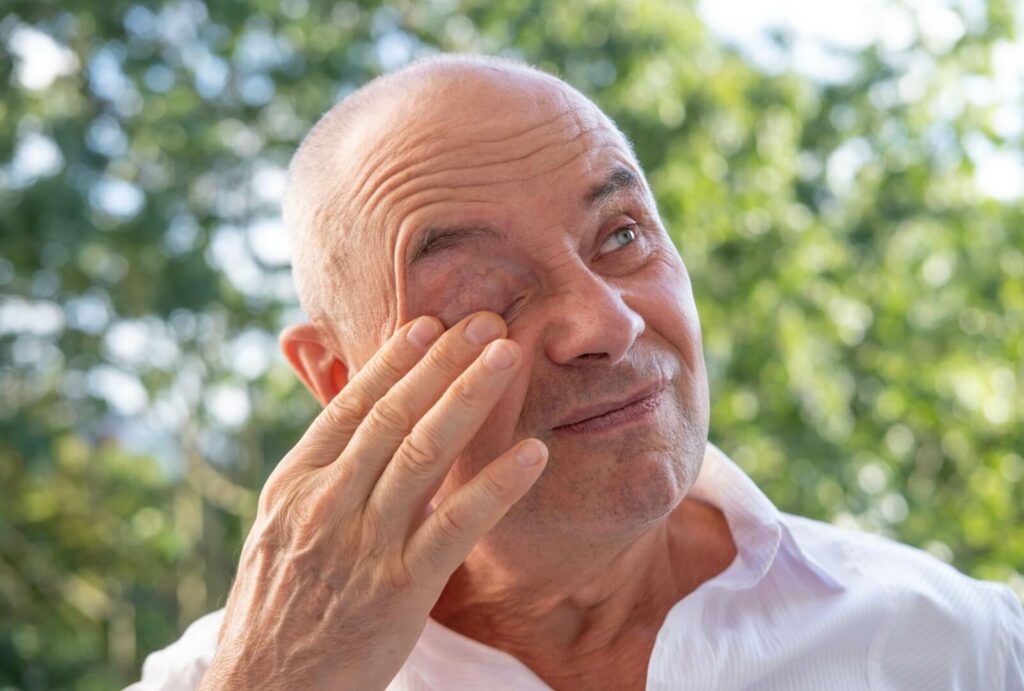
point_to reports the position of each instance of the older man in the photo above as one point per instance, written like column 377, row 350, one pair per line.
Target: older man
column 510, row 485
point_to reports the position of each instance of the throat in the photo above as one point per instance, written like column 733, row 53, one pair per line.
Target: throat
column 570, row 651
column 623, row 666
column 590, row 625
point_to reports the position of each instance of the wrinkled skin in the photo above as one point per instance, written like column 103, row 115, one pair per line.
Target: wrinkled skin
column 335, row 580
column 578, row 575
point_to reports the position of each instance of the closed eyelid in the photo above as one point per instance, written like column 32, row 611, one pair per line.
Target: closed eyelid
column 488, row 298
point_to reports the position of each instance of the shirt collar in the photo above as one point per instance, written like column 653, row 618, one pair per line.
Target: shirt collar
column 757, row 527
column 444, row 658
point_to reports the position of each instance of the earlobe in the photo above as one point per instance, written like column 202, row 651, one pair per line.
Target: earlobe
column 310, row 355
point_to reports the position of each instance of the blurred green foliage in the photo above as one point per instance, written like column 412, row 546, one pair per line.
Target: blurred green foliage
column 862, row 298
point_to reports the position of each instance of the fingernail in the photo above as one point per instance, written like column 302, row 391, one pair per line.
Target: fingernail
column 482, row 329
column 499, row 356
column 422, row 332
column 531, row 453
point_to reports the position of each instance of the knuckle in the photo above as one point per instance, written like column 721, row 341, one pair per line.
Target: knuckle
column 388, row 369
column 279, row 491
column 308, row 517
column 390, row 416
column 399, row 578
column 450, row 525
column 305, row 512
column 414, row 567
column 347, row 410
column 283, row 524
column 419, row 453
column 444, row 359
column 494, row 487
column 267, row 500
column 373, row 534
column 275, row 485
column 466, row 393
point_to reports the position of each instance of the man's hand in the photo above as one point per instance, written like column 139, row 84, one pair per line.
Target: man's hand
column 341, row 569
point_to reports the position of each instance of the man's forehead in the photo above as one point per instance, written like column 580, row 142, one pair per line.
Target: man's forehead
column 434, row 237
column 553, row 183
column 452, row 158
column 480, row 119
column 476, row 149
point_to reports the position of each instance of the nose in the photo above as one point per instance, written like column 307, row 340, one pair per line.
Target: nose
column 591, row 321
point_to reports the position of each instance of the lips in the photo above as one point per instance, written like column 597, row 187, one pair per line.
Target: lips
column 593, row 412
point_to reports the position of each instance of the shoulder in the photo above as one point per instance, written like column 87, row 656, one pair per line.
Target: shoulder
column 937, row 617
column 890, row 564
column 181, row 665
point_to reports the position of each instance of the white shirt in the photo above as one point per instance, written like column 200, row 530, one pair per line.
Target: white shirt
column 803, row 606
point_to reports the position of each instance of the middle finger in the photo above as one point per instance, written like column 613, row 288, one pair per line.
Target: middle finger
column 395, row 414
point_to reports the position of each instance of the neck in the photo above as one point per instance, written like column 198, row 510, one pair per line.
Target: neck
column 592, row 613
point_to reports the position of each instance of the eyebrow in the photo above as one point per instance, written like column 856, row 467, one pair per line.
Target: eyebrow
column 440, row 238
column 620, row 178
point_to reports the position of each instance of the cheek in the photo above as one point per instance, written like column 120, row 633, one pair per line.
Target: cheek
column 666, row 303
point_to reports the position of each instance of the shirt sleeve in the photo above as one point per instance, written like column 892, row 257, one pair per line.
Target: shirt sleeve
column 1013, row 645
column 181, row 665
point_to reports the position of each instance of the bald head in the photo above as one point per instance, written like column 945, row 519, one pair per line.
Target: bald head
column 336, row 201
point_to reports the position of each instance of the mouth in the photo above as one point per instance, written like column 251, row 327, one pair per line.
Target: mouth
column 605, row 416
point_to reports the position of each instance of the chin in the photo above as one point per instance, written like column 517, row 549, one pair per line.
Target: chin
column 642, row 492
column 614, row 488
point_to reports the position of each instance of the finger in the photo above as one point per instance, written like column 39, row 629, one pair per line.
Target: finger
column 393, row 416
column 446, row 538
column 426, row 454
column 332, row 429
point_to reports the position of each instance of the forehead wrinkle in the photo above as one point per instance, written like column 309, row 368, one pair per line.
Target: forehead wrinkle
column 422, row 206
column 391, row 176
column 515, row 135
column 423, row 196
column 427, row 184
column 410, row 184
column 427, row 187
column 380, row 160
column 412, row 177
column 377, row 157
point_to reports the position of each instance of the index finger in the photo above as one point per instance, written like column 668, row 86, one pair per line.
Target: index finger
column 332, row 429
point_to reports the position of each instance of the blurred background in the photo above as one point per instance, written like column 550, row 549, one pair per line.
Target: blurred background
column 845, row 182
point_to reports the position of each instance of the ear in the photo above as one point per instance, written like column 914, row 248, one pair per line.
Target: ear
column 309, row 354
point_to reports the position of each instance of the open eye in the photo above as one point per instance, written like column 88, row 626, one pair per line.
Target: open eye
column 620, row 238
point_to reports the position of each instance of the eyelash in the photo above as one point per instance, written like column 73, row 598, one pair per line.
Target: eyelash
column 633, row 228
column 512, row 305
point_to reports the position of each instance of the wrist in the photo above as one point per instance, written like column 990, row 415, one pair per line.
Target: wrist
column 223, row 674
